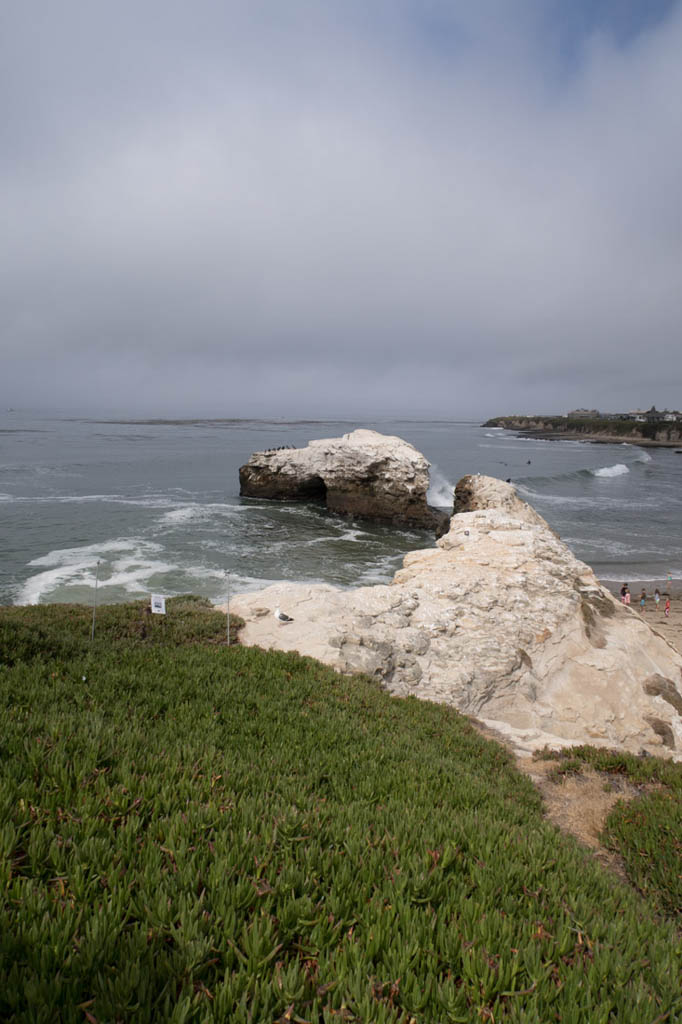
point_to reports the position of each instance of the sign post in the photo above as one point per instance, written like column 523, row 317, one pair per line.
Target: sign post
column 158, row 604
column 94, row 603
column 228, row 609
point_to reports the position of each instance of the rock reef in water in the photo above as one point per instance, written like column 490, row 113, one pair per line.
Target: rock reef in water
column 363, row 473
column 500, row 621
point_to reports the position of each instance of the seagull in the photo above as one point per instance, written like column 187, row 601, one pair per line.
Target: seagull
column 281, row 616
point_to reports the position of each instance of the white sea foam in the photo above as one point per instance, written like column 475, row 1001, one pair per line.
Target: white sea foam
column 45, row 582
column 134, row 574
column 441, row 493
column 202, row 572
column 90, row 553
column 618, row 470
column 351, row 533
column 199, row 513
column 643, row 457
column 137, row 563
column 665, row 577
column 151, row 501
column 383, row 571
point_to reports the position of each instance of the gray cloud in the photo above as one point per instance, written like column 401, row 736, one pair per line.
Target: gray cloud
column 309, row 208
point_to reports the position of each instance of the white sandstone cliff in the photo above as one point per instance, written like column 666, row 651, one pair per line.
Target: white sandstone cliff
column 502, row 622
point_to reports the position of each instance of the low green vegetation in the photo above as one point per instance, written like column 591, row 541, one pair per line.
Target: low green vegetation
column 196, row 832
column 646, row 831
column 64, row 630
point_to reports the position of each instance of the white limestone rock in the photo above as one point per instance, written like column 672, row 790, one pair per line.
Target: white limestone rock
column 502, row 622
column 363, row 473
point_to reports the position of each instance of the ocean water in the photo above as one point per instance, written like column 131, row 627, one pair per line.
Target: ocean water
column 157, row 504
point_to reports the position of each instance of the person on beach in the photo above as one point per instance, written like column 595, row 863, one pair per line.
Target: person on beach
column 642, row 601
column 657, row 598
column 667, row 606
column 626, row 599
column 623, row 592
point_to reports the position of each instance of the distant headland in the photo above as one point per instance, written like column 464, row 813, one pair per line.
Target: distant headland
column 651, row 428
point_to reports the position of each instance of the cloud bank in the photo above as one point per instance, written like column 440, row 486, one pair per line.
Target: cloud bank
column 400, row 208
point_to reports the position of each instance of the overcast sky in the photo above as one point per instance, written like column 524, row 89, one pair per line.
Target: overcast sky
column 347, row 207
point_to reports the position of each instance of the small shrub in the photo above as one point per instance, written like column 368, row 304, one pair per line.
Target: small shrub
column 569, row 766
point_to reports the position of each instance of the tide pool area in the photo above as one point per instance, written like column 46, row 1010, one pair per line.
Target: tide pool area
column 157, row 503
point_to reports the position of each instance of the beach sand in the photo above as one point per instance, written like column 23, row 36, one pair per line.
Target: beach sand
column 670, row 628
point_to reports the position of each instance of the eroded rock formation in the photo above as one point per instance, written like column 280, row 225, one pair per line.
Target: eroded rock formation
column 501, row 621
column 363, row 473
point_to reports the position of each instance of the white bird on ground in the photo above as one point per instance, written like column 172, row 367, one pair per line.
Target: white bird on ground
column 282, row 616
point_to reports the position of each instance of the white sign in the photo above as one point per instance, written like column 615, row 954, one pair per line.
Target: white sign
column 158, row 604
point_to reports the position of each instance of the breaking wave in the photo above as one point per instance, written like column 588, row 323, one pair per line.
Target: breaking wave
column 441, row 493
column 618, row 470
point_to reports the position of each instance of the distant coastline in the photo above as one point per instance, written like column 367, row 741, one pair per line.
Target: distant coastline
column 598, row 431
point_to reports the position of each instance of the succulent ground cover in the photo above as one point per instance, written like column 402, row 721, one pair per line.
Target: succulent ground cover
column 64, row 630
column 646, row 831
column 196, row 832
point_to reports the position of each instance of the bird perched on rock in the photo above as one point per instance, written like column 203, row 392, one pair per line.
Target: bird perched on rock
column 281, row 616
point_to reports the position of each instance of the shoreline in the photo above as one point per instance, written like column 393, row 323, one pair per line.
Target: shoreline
column 673, row 588
column 569, row 435
column 671, row 627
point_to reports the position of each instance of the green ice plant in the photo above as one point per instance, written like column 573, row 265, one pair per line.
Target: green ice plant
column 196, row 832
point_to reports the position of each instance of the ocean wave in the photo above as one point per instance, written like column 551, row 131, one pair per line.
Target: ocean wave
column 618, row 470
column 441, row 493
column 51, row 471
column 508, row 447
column 572, row 476
column 643, row 457
column 594, row 502
column 602, row 546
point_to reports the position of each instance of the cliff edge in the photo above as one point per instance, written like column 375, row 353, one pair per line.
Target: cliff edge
column 501, row 621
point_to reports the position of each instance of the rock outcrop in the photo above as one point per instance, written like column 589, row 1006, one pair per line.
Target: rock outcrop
column 501, row 621
column 363, row 473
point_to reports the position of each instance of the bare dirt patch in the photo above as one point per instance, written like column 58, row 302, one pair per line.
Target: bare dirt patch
column 580, row 804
